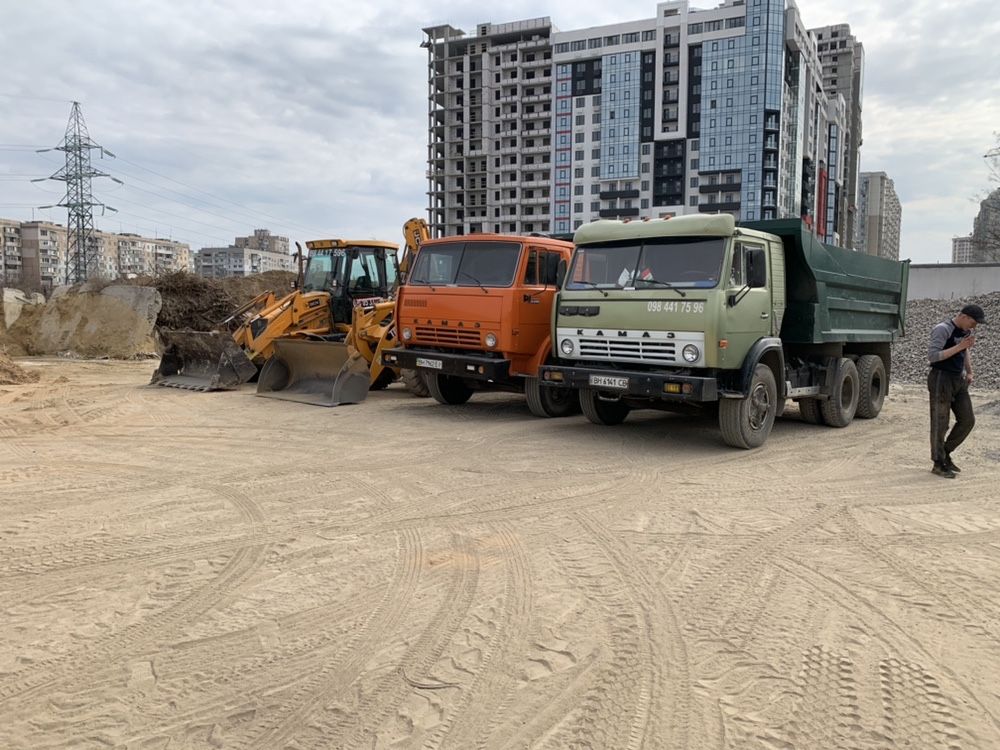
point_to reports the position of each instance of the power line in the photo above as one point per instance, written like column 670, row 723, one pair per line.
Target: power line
column 225, row 200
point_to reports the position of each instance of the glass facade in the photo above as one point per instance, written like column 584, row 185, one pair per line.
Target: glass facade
column 620, row 109
column 741, row 98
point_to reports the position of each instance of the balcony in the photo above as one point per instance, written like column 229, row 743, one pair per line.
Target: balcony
column 721, row 187
column 611, row 213
column 609, row 195
column 711, row 208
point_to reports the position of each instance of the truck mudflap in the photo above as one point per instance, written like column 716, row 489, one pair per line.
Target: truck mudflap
column 202, row 361
column 448, row 363
column 660, row 385
column 322, row 373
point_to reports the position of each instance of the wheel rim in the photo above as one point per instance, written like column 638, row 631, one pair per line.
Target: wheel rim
column 847, row 392
column 876, row 388
column 760, row 406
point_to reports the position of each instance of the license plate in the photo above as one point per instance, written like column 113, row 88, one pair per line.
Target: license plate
column 433, row 364
column 607, row 381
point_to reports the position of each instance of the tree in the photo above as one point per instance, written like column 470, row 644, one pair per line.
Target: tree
column 986, row 229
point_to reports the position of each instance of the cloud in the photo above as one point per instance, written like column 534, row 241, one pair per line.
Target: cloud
column 311, row 117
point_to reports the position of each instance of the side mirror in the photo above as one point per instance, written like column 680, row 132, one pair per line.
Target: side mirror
column 756, row 268
column 561, row 272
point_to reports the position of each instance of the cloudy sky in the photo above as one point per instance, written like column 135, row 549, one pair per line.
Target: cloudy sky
column 309, row 117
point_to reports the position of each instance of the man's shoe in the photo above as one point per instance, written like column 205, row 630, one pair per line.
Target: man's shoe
column 943, row 471
column 949, row 464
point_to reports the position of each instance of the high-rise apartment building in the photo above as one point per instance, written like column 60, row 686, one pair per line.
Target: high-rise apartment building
column 489, row 128
column 961, row 249
column 986, row 230
column 880, row 216
column 719, row 110
column 843, row 60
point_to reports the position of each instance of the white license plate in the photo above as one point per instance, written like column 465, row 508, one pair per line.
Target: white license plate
column 433, row 364
column 607, row 381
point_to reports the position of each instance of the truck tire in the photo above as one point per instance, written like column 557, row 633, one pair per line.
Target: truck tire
column 415, row 382
column 746, row 422
column 839, row 409
column 809, row 411
column 550, row 401
column 874, row 384
column 447, row 389
column 599, row 411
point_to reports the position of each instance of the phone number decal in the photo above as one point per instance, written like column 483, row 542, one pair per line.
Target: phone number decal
column 674, row 306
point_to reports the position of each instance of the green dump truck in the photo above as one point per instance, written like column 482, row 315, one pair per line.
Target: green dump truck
column 699, row 312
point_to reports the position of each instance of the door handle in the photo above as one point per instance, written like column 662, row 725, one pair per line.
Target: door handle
column 764, row 315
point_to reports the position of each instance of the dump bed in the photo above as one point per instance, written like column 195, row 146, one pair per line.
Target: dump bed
column 837, row 295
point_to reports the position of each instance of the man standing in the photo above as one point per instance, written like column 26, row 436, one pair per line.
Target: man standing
column 950, row 356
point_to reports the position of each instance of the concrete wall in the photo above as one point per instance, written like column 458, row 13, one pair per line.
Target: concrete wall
column 953, row 281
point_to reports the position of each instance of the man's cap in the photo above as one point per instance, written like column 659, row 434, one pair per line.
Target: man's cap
column 975, row 312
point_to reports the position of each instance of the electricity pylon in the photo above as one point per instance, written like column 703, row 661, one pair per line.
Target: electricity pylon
column 82, row 259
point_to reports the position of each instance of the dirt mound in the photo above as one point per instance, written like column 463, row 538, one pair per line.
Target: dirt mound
column 13, row 374
column 200, row 304
column 245, row 288
column 192, row 302
column 116, row 322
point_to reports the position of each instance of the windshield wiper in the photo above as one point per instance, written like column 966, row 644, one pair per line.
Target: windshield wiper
column 592, row 285
column 469, row 275
column 665, row 284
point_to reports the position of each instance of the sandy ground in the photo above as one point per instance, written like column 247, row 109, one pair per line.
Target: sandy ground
column 185, row 570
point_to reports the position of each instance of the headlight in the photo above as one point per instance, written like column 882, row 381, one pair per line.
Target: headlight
column 491, row 340
column 407, row 334
column 566, row 346
column 690, row 353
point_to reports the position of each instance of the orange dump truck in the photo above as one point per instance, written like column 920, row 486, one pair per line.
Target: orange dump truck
column 475, row 313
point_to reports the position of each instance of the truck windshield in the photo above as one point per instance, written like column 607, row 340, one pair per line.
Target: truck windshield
column 480, row 264
column 657, row 261
column 322, row 270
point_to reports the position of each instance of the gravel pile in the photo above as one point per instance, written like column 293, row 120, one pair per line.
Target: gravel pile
column 909, row 356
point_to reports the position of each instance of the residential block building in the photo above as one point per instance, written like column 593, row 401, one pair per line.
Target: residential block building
column 986, row 230
column 880, row 216
column 35, row 254
column 721, row 110
column 245, row 257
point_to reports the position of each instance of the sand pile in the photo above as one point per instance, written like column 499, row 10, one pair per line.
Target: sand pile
column 13, row 374
column 115, row 322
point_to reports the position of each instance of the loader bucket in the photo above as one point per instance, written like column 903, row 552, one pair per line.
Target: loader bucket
column 324, row 373
column 202, row 361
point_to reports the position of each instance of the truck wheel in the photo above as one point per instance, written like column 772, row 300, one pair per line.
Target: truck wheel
column 550, row 401
column 447, row 389
column 414, row 382
column 871, row 374
column 599, row 411
column 809, row 411
column 746, row 422
column 839, row 409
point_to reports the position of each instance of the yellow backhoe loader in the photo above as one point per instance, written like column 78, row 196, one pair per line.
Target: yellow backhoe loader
column 340, row 276
column 329, row 371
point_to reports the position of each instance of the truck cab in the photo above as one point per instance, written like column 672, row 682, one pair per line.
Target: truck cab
column 475, row 314
column 697, row 312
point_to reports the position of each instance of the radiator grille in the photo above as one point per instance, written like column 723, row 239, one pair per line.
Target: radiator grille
column 447, row 336
column 637, row 350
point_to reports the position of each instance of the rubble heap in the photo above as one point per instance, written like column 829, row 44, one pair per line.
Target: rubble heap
column 909, row 356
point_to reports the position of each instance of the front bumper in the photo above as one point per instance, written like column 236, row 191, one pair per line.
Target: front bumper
column 461, row 365
column 637, row 384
